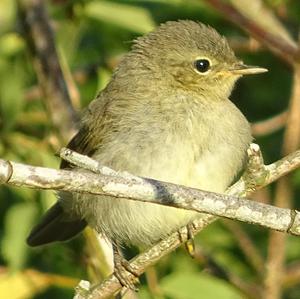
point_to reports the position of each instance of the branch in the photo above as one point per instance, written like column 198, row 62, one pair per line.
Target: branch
column 285, row 48
column 215, row 268
column 270, row 125
column 283, row 196
column 247, row 246
column 158, row 192
column 151, row 256
column 148, row 258
column 128, row 186
column 40, row 39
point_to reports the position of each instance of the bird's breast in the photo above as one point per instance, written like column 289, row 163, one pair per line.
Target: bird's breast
column 194, row 149
column 203, row 147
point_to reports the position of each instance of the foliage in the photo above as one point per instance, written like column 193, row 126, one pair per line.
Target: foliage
column 91, row 36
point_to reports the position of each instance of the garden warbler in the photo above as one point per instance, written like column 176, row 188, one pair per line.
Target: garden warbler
column 166, row 115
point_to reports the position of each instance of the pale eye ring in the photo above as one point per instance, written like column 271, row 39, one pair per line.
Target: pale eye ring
column 202, row 65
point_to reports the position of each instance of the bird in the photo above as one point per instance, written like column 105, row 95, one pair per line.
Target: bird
column 165, row 115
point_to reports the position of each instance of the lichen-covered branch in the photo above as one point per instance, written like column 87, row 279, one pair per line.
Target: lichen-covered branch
column 153, row 191
column 127, row 186
column 111, row 285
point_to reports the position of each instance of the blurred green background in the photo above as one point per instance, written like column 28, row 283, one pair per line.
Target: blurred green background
column 91, row 37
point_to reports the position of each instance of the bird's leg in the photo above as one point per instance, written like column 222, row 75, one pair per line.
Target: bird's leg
column 126, row 275
column 189, row 244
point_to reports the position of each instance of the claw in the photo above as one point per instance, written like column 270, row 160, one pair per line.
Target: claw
column 190, row 247
column 125, row 273
column 189, row 244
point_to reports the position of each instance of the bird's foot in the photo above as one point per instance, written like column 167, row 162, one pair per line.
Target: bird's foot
column 124, row 272
column 189, row 244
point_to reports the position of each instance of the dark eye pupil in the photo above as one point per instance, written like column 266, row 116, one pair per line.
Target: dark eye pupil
column 202, row 65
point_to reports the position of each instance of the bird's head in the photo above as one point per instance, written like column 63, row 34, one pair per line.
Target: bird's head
column 190, row 56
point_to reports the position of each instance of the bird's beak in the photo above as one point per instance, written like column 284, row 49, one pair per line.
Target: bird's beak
column 242, row 69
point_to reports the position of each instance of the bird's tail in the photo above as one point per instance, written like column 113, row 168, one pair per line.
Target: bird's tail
column 54, row 226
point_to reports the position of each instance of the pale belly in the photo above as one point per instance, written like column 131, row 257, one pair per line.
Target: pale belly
column 138, row 223
column 199, row 156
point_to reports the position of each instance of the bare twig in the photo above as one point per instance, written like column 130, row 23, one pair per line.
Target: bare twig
column 274, row 170
column 292, row 132
column 283, row 197
column 130, row 187
column 248, row 45
column 213, row 267
column 152, row 283
column 148, row 258
column 270, row 125
column 256, row 162
column 97, row 251
column 153, row 191
column 111, row 285
column 291, row 276
column 268, row 173
column 56, row 85
column 260, row 13
column 247, row 246
column 40, row 39
column 277, row 43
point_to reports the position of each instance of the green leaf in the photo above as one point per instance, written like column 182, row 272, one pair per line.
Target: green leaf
column 68, row 37
column 11, row 93
column 103, row 78
column 216, row 236
column 183, row 285
column 296, row 177
column 144, row 293
column 17, row 224
column 7, row 14
column 131, row 17
column 10, row 44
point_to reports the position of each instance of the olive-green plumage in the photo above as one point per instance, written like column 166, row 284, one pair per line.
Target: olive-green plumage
column 166, row 115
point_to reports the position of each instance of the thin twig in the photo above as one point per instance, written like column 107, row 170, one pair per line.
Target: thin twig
column 39, row 37
column 246, row 244
column 213, row 267
column 111, row 284
column 264, row 16
column 291, row 276
column 277, row 44
column 241, row 44
column 270, row 125
column 283, row 197
column 55, row 84
column 130, row 187
column 154, row 191
column 148, row 258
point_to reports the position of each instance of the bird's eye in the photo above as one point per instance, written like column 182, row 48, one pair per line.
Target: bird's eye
column 202, row 65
